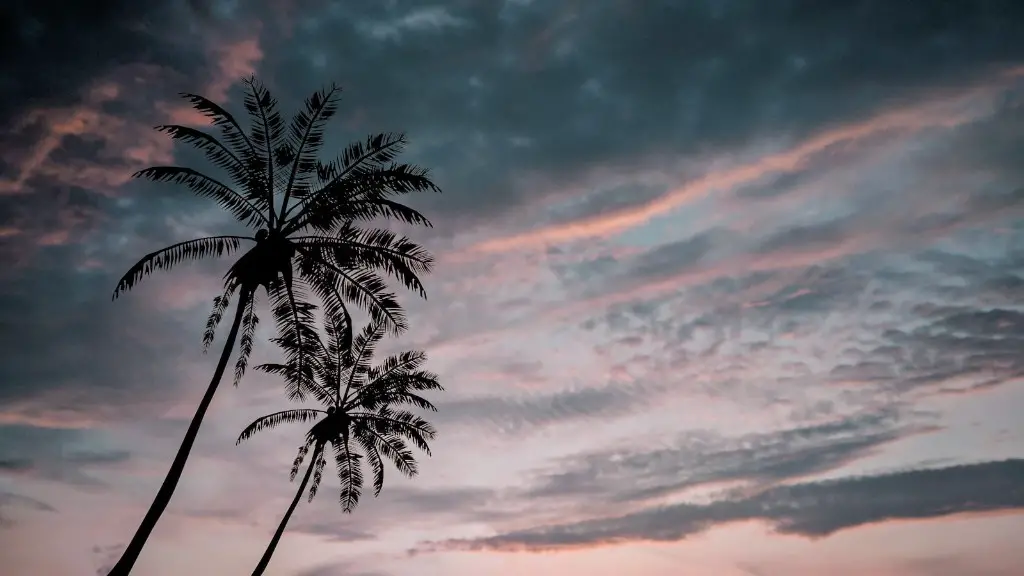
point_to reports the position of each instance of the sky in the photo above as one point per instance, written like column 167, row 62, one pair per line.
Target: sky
column 724, row 287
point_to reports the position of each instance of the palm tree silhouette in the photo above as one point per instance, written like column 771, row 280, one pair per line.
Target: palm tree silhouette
column 304, row 214
column 363, row 415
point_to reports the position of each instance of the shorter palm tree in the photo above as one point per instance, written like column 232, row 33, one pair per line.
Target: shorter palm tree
column 364, row 416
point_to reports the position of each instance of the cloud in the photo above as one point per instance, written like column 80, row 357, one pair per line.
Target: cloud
column 813, row 509
column 752, row 203
column 9, row 500
column 338, row 569
column 540, row 86
column 47, row 454
column 519, row 415
column 697, row 459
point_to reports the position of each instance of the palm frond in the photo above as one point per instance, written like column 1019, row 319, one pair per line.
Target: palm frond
column 276, row 419
column 363, row 347
column 350, row 474
column 361, row 166
column 360, row 286
column 396, row 390
column 401, row 363
column 375, row 249
column 267, row 130
column 167, row 258
column 389, row 444
column 318, row 472
column 402, row 422
column 364, row 196
column 216, row 152
column 303, row 450
column 339, row 348
column 295, row 320
column 220, row 305
column 241, row 207
column 298, row 386
column 306, row 137
column 368, row 443
column 246, row 340
column 232, row 132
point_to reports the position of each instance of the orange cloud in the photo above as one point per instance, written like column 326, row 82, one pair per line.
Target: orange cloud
column 232, row 61
column 943, row 112
column 124, row 144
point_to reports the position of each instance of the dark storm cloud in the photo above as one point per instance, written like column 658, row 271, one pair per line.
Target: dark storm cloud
column 551, row 88
column 811, row 509
column 697, row 459
column 50, row 49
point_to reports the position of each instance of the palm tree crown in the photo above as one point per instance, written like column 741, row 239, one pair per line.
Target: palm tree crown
column 364, row 414
column 303, row 213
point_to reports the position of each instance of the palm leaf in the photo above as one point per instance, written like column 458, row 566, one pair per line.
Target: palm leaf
column 303, row 450
column 246, row 340
column 167, row 258
column 205, row 186
column 398, row 389
column 401, row 422
column 369, row 445
column 276, row 419
column 318, row 472
column 220, row 305
column 231, row 130
column 267, row 129
column 362, row 287
column 364, row 196
column 363, row 347
column 390, row 445
column 215, row 151
column 350, row 474
column 357, row 159
column 307, row 137
column 377, row 249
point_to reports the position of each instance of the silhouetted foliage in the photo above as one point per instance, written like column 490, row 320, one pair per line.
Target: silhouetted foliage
column 363, row 418
column 308, row 239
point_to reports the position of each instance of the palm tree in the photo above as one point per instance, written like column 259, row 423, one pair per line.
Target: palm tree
column 305, row 217
column 363, row 416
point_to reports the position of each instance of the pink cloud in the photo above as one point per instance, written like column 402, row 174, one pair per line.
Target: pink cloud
column 124, row 142
column 944, row 111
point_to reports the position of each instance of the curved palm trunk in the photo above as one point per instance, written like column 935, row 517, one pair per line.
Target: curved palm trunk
column 163, row 496
column 265, row 560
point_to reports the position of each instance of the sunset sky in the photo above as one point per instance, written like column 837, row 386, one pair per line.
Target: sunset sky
column 724, row 287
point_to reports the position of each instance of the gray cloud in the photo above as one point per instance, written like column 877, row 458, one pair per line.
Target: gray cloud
column 333, row 531
column 548, row 86
column 338, row 569
column 812, row 509
column 11, row 500
column 981, row 344
column 703, row 458
column 516, row 415
column 56, row 455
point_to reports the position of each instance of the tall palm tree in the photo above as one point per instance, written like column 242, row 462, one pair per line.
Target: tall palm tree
column 363, row 415
column 307, row 219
